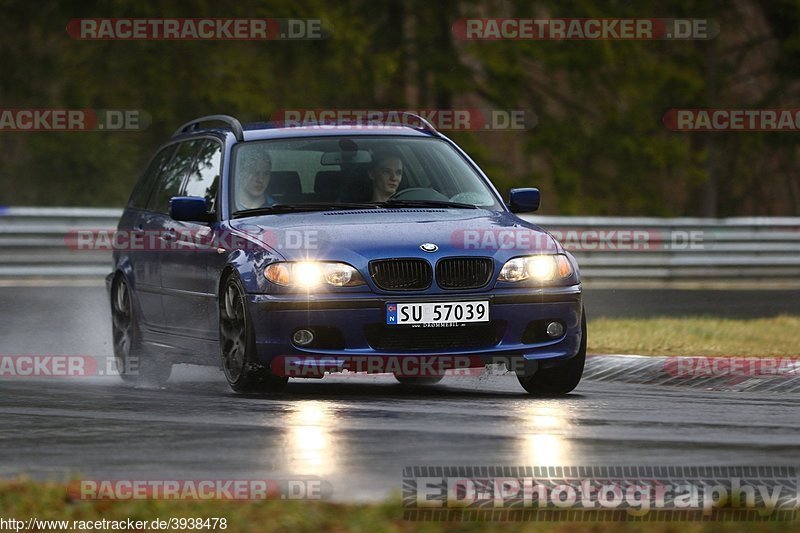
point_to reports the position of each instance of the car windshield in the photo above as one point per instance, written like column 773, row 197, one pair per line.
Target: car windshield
column 350, row 172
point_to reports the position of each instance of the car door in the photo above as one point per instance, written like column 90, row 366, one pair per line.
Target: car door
column 157, row 223
column 188, row 293
column 143, row 260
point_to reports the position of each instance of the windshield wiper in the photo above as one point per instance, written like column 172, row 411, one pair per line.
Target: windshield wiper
column 426, row 203
column 293, row 208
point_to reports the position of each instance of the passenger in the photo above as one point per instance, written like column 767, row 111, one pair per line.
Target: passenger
column 252, row 183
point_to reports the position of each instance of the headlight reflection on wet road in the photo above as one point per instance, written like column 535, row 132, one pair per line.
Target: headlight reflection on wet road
column 543, row 441
column 310, row 445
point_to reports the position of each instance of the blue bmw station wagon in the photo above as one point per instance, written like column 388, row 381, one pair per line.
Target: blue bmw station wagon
column 280, row 252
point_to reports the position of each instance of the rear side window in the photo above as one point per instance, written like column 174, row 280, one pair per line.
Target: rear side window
column 142, row 190
column 204, row 177
column 171, row 178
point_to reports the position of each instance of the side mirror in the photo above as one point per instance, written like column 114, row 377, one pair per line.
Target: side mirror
column 188, row 209
column 524, row 200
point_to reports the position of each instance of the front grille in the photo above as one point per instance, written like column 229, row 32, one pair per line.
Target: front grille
column 463, row 272
column 401, row 274
column 394, row 338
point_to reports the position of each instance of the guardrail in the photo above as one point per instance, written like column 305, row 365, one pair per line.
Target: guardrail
column 33, row 244
column 609, row 249
column 743, row 250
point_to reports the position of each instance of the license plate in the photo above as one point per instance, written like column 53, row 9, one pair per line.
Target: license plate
column 436, row 313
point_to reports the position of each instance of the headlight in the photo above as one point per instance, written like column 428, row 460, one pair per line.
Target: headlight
column 536, row 267
column 309, row 274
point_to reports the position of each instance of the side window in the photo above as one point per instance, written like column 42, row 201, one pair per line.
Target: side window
column 171, row 178
column 204, row 177
column 142, row 190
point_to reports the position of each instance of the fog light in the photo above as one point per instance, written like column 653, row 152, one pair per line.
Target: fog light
column 555, row 330
column 303, row 337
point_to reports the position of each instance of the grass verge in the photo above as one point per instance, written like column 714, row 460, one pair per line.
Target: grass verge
column 693, row 336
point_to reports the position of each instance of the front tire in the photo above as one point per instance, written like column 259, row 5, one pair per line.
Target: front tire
column 558, row 380
column 237, row 344
column 133, row 363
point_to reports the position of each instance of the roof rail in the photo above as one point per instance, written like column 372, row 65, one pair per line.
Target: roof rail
column 426, row 126
column 236, row 126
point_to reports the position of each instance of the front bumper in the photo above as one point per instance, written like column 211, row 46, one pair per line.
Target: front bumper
column 354, row 316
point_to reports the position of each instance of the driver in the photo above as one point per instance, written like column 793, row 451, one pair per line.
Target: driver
column 385, row 173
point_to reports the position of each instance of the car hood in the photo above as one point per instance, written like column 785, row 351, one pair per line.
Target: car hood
column 358, row 236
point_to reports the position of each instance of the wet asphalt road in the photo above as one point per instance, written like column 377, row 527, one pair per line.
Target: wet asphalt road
column 355, row 432
column 358, row 433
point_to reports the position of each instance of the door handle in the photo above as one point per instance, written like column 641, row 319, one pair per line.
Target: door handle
column 168, row 235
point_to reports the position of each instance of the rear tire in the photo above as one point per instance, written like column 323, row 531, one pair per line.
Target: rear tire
column 238, row 346
column 133, row 363
column 560, row 379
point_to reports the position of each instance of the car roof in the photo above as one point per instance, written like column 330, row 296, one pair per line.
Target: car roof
column 277, row 130
column 257, row 132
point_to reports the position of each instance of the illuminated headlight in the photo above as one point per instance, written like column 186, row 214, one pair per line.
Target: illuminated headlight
column 309, row 274
column 306, row 274
column 536, row 267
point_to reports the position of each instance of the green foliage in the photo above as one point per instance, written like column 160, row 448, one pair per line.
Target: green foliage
column 696, row 336
column 599, row 146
